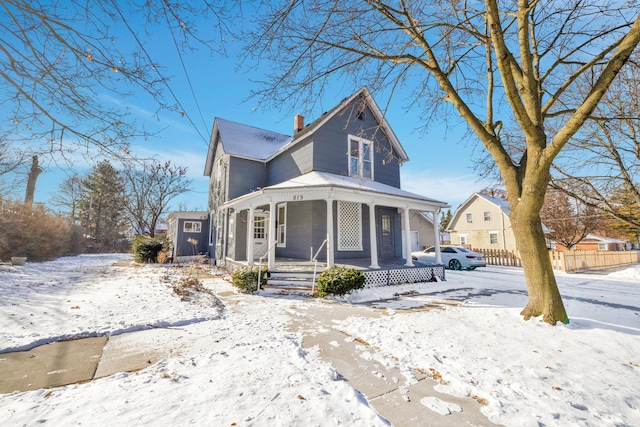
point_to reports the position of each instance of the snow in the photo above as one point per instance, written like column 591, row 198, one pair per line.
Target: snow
column 248, row 141
column 234, row 360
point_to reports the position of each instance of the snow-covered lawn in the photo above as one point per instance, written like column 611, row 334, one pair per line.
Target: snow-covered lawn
column 237, row 363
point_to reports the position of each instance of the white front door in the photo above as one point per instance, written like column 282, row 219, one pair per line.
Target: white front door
column 260, row 235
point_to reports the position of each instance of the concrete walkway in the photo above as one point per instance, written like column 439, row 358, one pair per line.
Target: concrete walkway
column 386, row 389
column 402, row 404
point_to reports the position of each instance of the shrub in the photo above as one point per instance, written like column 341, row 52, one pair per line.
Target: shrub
column 36, row 233
column 246, row 278
column 146, row 249
column 339, row 281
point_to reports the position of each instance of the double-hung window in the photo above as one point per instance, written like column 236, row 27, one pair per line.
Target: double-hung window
column 360, row 157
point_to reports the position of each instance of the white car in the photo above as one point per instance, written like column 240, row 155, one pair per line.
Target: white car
column 453, row 257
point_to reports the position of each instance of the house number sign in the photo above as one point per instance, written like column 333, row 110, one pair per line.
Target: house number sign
column 297, row 197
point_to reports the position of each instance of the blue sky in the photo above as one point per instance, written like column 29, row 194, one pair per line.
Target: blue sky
column 440, row 163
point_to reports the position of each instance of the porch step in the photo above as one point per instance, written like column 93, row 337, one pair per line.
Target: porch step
column 290, row 282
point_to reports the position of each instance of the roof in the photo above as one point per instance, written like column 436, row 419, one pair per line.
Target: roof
column 373, row 106
column 592, row 236
column 323, row 182
column 253, row 143
column 248, row 141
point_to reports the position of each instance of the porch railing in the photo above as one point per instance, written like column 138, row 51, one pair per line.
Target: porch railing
column 315, row 267
column 273, row 245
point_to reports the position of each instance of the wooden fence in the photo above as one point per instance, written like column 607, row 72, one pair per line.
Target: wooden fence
column 501, row 257
column 568, row 261
column 571, row 261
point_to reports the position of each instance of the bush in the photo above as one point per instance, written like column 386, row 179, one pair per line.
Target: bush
column 246, row 278
column 146, row 249
column 36, row 233
column 339, row 281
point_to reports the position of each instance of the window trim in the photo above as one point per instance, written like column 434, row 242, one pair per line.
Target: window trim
column 487, row 215
column 469, row 217
column 497, row 236
column 360, row 159
column 283, row 243
column 191, row 230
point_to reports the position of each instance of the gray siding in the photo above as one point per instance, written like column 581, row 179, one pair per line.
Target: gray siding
column 183, row 247
column 245, row 176
column 294, row 162
column 330, row 146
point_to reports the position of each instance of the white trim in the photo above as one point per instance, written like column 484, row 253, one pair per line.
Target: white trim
column 362, row 151
column 279, row 226
column 191, row 230
column 494, row 233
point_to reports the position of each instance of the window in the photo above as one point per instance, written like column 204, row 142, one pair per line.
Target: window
column 192, row 226
column 463, row 240
column 281, row 225
column 602, row 246
column 360, row 157
column 469, row 217
column 386, row 225
column 493, row 237
column 259, row 229
column 349, row 226
column 487, row 216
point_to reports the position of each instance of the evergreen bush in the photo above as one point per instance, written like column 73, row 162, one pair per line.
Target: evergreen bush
column 146, row 249
column 246, row 278
column 339, row 281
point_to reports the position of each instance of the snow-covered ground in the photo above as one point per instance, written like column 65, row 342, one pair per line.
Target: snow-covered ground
column 237, row 363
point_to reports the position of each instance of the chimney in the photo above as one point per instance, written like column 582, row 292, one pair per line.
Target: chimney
column 298, row 123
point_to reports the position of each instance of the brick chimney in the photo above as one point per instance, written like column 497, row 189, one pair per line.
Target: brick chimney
column 298, row 123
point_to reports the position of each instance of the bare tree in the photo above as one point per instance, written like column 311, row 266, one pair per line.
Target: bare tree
column 569, row 220
column 602, row 162
column 11, row 161
column 493, row 63
column 149, row 191
column 67, row 67
column 68, row 197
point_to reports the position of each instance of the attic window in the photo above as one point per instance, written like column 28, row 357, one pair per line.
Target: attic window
column 360, row 157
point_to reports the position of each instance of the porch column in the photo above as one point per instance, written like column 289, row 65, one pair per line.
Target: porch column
column 372, row 236
column 436, row 233
column 407, row 237
column 250, row 224
column 330, row 258
column 273, row 235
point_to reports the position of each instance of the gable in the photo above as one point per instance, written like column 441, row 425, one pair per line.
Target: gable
column 362, row 99
column 477, row 205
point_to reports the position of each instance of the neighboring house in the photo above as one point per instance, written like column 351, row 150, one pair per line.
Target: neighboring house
column 333, row 188
column 482, row 222
column 595, row 242
column 189, row 232
column 422, row 234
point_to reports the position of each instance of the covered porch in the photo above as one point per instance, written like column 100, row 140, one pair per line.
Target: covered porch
column 341, row 220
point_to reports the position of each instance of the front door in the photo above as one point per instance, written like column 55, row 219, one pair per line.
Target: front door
column 260, row 235
column 387, row 241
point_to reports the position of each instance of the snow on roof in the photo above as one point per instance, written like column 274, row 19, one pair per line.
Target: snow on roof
column 320, row 179
column 501, row 203
column 248, row 141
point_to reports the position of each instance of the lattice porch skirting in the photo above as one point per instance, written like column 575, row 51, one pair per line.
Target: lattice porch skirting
column 401, row 276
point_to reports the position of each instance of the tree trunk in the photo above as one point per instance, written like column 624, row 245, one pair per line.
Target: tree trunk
column 544, row 297
column 31, row 182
